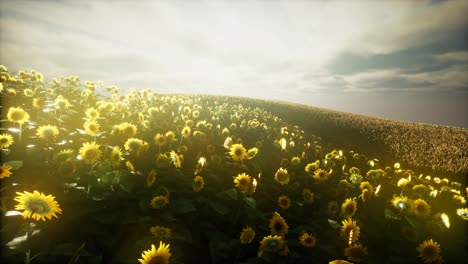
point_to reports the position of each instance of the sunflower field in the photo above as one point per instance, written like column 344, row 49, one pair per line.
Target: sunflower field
column 89, row 174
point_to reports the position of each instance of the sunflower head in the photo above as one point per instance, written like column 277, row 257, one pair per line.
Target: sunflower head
column 159, row 201
column 92, row 113
column 403, row 204
column 186, row 132
column 161, row 255
column 307, row 196
column 127, row 130
column 37, row 205
column 346, row 228
column 151, row 177
column 247, row 235
column 91, row 128
column 321, row 175
column 421, row 208
column 272, row 244
column 307, row 240
column 429, row 251
column 311, row 167
column 198, row 183
column 252, row 153
column 6, row 140
column 355, row 252
column 348, row 208
column 238, row 152
column 90, row 152
column 242, row 181
column 17, row 115
column 278, row 225
column 161, row 232
column 5, row 171
column 48, row 132
column 282, row 176
column 160, row 140
column 284, row 202
column 115, row 157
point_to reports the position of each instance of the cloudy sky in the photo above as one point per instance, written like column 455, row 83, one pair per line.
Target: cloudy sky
column 395, row 59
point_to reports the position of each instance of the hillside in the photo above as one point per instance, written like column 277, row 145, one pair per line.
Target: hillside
column 427, row 148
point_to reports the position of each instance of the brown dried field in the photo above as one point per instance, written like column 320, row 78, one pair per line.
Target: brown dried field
column 426, row 148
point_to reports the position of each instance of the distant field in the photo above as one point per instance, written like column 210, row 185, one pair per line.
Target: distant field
column 427, row 148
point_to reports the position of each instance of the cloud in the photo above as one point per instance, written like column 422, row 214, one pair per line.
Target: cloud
column 452, row 57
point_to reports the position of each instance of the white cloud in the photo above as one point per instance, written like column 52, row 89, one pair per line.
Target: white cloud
column 457, row 56
column 243, row 47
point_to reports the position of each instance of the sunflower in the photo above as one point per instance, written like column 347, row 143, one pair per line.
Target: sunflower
column 307, row 240
column 38, row 103
column 366, row 185
column 161, row 232
column 61, row 103
column 129, row 165
column 272, row 244
column 159, row 201
column 403, row 204
column 66, row 168
column 307, row 196
column 36, row 205
column 339, row 261
column 91, row 128
column 238, row 152
column 163, row 161
column 295, row 161
column 90, row 152
column 160, row 140
column 128, row 130
column 321, row 175
column 252, row 153
column 5, row 171
column 115, row 157
column 353, row 170
column 151, row 177
column 278, row 225
column 355, row 252
column 311, row 167
column 156, row 256
column 242, row 181
column 170, row 137
column 92, row 113
column 198, row 183
column 365, row 195
column 282, row 176
column 332, row 208
column 6, row 140
column 247, row 235
column 355, row 178
column 408, row 233
column 47, row 132
column 463, row 213
column 421, row 208
column 348, row 226
column 429, row 251
column 17, row 115
column 135, row 145
column 284, row 202
column 348, row 208
column 186, row 132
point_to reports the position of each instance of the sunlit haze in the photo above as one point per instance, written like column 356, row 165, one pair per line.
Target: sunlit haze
column 403, row 60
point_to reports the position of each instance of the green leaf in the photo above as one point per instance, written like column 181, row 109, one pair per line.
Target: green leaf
column 218, row 207
column 182, row 233
column 228, row 194
column 250, row 202
column 389, row 214
column 182, row 206
column 14, row 164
